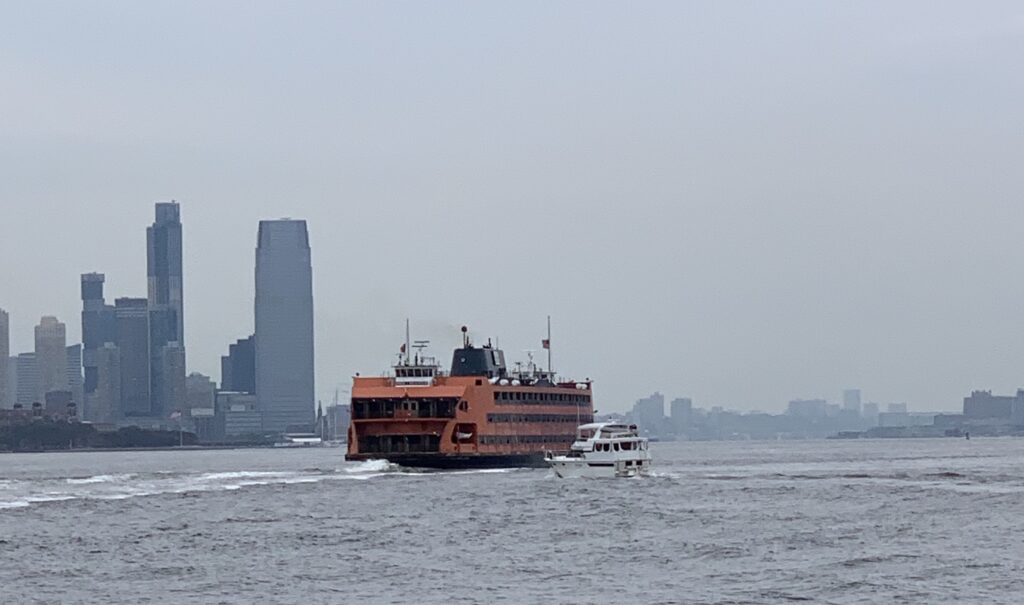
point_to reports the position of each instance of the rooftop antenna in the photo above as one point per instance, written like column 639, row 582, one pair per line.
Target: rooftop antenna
column 419, row 345
column 530, row 366
column 408, row 350
column 547, row 344
column 465, row 337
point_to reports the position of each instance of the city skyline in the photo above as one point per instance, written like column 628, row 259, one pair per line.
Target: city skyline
column 826, row 203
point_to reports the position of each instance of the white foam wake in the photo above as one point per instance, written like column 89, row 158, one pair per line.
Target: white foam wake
column 98, row 479
column 372, row 466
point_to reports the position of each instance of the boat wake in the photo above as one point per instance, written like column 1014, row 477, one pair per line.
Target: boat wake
column 373, row 466
column 20, row 493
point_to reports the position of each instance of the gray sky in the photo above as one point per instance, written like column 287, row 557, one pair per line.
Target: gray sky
column 739, row 202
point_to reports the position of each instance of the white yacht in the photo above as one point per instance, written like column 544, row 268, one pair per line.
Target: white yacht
column 604, row 449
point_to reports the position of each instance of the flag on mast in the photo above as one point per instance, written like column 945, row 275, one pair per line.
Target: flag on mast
column 546, row 343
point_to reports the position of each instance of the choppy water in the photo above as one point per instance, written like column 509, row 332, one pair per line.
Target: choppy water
column 914, row 521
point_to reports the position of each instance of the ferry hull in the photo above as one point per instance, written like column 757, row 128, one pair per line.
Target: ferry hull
column 457, row 461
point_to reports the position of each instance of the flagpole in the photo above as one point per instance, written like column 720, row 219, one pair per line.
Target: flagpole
column 549, row 346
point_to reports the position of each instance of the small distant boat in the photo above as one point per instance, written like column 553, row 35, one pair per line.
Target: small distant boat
column 300, row 441
column 604, row 449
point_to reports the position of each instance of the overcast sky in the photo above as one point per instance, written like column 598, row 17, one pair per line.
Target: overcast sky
column 743, row 203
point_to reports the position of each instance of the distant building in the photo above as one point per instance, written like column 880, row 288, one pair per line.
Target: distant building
column 99, row 326
column 173, row 371
column 51, row 357
column 337, row 418
column 58, row 402
column 132, row 316
column 284, row 327
column 649, row 414
column 238, row 367
column 200, row 390
column 893, row 419
column 238, row 415
column 27, row 380
column 808, row 408
column 105, row 401
column 905, row 419
column 6, row 402
column 12, row 383
column 74, row 364
column 681, row 413
column 166, row 310
column 851, row 400
column 870, row 413
column 896, row 408
column 164, row 271
column 983, row 405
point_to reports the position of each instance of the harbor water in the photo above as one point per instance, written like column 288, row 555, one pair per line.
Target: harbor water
column 858, row 521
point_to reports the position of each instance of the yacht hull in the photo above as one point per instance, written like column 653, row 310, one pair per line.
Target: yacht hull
column 568, row 468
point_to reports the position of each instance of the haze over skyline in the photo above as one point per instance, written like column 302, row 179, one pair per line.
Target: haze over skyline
column 738, row 203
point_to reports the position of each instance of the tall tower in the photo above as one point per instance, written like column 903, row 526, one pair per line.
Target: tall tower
column 73, row 354
column 98, row 328
column 51, row 357
column 5, row 353
column 27, row 378
column 163, row 240
column 165, row 302
column 284, row 326
column 134, row 364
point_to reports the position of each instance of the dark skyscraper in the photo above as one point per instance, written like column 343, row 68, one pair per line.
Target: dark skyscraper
column 133, row 343
column 5, row 353
column 284, row 326
column 163, row 239
column 105, row 401
column 166, row 318
column 238, row 367
column 98, row 328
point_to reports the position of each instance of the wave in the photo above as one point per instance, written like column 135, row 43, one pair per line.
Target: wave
column 243, row 475
column 98, row 479
column 19, row 494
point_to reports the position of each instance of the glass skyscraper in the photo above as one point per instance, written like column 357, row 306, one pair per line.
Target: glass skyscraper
column 98, row 328
column 284, row 326
column 5, row 352
column 132, row 342
column 166, row 317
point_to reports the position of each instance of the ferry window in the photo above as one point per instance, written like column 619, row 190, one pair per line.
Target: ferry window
column 615, row 447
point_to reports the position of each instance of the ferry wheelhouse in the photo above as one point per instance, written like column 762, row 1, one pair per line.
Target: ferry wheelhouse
column 478, row 414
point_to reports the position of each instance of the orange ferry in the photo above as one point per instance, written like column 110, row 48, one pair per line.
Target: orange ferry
column 478, row 415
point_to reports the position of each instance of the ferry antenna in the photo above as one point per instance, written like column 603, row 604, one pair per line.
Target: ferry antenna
column 408, row 350
column 548, row 347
